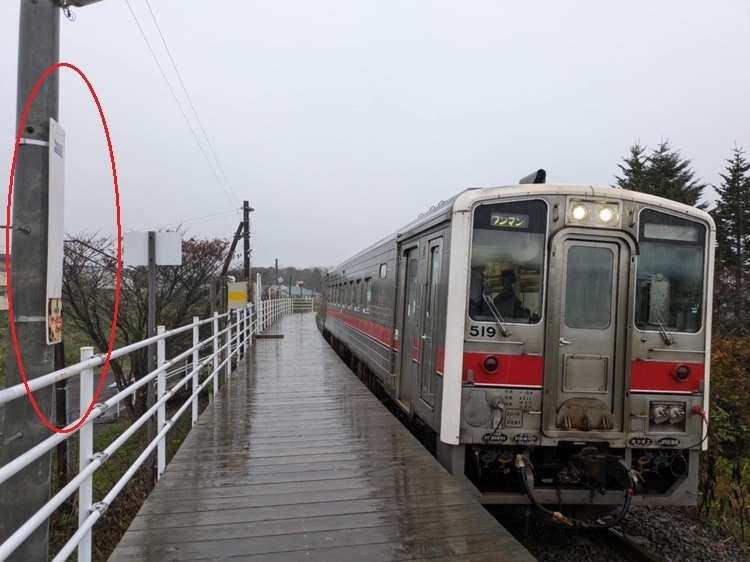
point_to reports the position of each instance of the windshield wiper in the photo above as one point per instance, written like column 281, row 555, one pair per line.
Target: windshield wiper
column 666, row 336
column 498, row 318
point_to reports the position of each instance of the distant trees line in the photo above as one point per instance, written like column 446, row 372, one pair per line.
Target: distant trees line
column 312, row 277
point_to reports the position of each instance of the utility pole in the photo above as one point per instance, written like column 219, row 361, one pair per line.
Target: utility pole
column 246, row 210
column 151, row 359
column 24, row 494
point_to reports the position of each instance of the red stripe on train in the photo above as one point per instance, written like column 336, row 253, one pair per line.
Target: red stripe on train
column 656, row 376
column 376, row 331
column 512, row 370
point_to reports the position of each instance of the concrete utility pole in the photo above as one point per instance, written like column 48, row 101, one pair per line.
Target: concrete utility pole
column 151, row 359
column 25, row 493
column 246, row 210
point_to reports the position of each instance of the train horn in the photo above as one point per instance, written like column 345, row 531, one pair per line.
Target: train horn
column 540, row 176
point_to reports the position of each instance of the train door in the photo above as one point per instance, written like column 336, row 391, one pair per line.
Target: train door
column 430, row 315
column 585, row 358
column 410, row 343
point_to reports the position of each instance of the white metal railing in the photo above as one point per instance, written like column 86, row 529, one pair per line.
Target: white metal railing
column 303, row 304
column 212, row 356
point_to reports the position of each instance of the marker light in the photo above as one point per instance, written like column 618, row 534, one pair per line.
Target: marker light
column 491, row 364
column 579, row 212
column 606, row 214
column 681, row 373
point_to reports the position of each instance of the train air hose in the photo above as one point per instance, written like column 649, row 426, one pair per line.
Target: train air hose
column 527, row 478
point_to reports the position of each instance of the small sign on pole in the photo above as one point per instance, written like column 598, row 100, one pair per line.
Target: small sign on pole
column 237, row 295
column 168, row 249
column 56, row 232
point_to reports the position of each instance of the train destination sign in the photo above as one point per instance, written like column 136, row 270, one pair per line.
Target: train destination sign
column 509, row 220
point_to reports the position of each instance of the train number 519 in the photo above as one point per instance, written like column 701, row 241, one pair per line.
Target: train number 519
column 482, row 331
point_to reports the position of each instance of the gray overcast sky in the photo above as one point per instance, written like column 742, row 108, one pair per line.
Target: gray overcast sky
column 341, row 121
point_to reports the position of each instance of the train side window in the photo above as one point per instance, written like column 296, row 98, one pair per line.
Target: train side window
column 432, row 283
column 383, row 270
column 358, row 294
column 368, row 294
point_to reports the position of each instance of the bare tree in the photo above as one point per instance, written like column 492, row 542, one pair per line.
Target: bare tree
column 182, row 292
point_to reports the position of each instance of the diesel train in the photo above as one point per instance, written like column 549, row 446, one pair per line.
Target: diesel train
column 554, row 340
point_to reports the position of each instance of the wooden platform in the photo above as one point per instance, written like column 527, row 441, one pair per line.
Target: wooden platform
column 304, row 463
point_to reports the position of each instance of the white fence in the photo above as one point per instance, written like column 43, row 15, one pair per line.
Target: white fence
column 211, row 357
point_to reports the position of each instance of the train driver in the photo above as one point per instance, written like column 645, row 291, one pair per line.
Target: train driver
column 506, row 301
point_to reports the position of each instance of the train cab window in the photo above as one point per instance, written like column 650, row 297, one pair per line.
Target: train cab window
column 670, row 273
column 507, row 262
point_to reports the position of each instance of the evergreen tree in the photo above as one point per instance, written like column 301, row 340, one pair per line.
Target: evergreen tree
column 732, row 213
column 634, row 169
column 663, row 173
column 668, row 175
column 732, row 216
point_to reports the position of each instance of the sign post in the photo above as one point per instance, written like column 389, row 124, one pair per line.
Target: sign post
column 151, row 249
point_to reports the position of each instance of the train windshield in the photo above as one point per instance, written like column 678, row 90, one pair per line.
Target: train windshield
column 507, row 262
column 670, row 274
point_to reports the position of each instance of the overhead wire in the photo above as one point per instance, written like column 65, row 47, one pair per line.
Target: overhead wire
column 197, row 220
column 254, row 234
column 179, row 105
column 190, row 101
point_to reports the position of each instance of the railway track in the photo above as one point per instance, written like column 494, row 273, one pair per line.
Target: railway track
column 558, row 544
column 626, row 547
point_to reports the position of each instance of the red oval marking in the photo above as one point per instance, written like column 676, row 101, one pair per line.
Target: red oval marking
column 113, row 331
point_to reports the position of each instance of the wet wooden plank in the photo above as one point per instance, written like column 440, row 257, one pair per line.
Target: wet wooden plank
column 298, row 460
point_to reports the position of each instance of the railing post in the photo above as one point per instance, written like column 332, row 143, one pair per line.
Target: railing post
column 161, row 415
column 250, row 326
column 240, row 343
column 85, row 452
column 196, row 360
column 216, row 353
column 228, row 354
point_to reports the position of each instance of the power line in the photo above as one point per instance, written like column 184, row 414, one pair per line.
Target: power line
column 179, row 105
column 190, row 101
column 260, row 244
column 196, row 220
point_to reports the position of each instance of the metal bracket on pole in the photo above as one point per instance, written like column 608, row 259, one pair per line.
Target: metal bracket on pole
column 15, row 437
column 33, row 141
column 25, row 319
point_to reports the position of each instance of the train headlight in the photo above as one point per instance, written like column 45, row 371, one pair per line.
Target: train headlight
column 607, row 215
column 593, row 213
column 579, row 212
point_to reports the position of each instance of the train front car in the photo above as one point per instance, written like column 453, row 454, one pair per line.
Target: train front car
column 577, row 338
